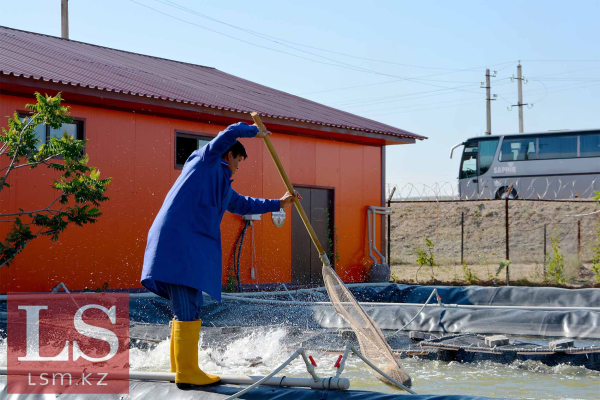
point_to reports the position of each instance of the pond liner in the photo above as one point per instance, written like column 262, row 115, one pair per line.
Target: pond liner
column 467, row 348
column 447, row 319
column 153, row 390
column 480, row 295
column 523, row 315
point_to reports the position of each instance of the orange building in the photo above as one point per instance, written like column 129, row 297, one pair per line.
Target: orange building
column 142, row 116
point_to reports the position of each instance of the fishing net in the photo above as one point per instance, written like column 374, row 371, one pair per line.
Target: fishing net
column 370, row 338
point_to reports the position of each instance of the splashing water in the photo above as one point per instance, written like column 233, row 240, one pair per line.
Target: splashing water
column 260, row 352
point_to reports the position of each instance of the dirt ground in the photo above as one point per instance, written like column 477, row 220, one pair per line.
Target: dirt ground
column 477, row 231
column 520, row 274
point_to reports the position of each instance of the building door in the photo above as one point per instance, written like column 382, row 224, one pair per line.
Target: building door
column 318, row 205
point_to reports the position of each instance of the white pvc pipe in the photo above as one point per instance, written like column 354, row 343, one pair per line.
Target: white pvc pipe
column 321, row 383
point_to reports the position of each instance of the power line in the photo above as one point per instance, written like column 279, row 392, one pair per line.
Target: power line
column 380, row 100
column 425, row 76
column 338, row 63
column 394, row 99
column 421, row 105
column 561, row 88
column 425, row 109
column 278, row 40
column 561, row 60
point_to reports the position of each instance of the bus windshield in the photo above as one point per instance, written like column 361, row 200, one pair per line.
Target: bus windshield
column 468, row 165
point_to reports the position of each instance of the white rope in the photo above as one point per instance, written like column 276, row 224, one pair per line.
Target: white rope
column 421, row 310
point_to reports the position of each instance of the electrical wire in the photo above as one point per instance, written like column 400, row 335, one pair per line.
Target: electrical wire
column 278, row 40
column 425, row 104
column 400, row 80
column 237, row 254
column 510, row 95
column 430, row 108
column 336, row 63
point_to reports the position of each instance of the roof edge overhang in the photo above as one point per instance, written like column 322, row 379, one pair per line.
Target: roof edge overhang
column 95, row 97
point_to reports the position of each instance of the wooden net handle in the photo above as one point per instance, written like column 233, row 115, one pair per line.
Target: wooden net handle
column 288, row 184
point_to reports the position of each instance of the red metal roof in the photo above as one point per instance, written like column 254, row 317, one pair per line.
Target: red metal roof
column 37, row 56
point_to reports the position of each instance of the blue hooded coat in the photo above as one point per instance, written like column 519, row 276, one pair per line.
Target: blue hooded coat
column 184, row 242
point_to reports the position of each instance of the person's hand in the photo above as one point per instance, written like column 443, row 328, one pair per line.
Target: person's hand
column 261, row 133
column 288, row 199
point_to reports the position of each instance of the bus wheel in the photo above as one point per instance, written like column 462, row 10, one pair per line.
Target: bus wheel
column 502, row 192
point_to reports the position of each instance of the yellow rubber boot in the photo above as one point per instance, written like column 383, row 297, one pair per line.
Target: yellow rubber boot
column 185, row 337
column 172, row 349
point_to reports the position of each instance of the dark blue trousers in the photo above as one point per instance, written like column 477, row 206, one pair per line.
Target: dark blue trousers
column 185, row 301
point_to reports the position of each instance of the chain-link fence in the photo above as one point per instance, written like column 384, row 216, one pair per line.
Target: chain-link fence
column 479, row 235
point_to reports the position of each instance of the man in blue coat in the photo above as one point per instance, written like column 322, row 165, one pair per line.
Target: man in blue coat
column 183, row 252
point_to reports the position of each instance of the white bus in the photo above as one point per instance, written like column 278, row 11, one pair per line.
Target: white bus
column 550, row 165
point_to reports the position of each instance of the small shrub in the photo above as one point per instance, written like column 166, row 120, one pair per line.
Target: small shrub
column 484, row 262
column 468, row 274
column 503, row 264
column 556, row 266
column 425, row 257
column 573, row 266
column 596, row 258
column 231, row 283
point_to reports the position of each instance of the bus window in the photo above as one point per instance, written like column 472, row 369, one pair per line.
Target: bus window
column 487, row 150
column 468, row 167
column 518, row 149
column 558, row 147
column 590, row 145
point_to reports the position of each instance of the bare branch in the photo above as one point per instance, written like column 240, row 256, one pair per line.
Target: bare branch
column 34, row 237
column 37, row 211
column 3, row 148
column 10, row 167
column 33, row 163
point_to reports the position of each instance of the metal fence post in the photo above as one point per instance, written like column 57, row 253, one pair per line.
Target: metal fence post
column 507, row 240
column 544, row 265
column 462, row 238
column 579, row 239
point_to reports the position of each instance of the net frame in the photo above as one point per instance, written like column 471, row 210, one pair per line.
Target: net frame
column 370, row 338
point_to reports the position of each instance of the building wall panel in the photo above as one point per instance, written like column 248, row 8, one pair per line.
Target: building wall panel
column 137, row 151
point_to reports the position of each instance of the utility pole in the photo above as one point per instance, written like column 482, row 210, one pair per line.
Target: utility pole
column 520, row 84
column 488, row 88
column 520, row 103
column 64, row 11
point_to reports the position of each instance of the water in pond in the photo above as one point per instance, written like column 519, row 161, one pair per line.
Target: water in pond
column 260, row 353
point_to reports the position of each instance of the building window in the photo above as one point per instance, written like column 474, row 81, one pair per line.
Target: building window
column 186, row 144
column 590, row 145
column 43, row 132
column 552, row 147
column 518, row 149
column 486, row 154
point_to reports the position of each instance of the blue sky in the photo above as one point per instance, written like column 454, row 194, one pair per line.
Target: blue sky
column 436, row 44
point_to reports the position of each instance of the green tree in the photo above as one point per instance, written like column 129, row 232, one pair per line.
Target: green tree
column 79, row 187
